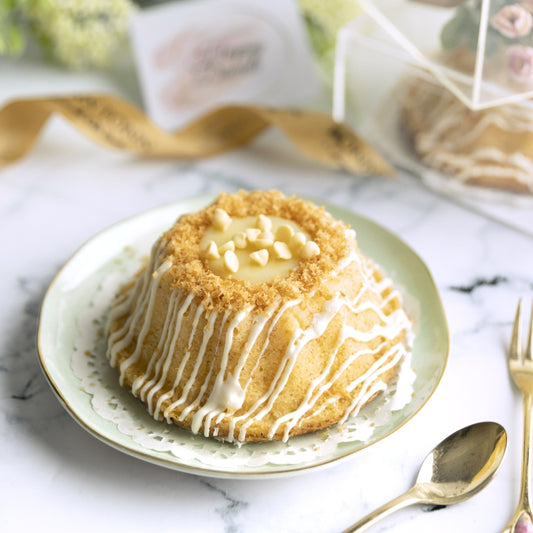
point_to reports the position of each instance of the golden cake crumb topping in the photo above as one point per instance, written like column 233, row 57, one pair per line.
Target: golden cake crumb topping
column 281, row 226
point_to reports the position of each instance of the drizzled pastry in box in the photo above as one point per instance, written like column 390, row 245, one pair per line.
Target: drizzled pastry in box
column 490, row 148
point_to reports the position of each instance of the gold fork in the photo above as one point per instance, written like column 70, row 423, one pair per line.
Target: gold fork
column 521, row 370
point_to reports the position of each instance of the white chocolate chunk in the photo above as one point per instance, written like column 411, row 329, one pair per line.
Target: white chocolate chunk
column 221, row 220
column 252, row 234
column 282, row 250
column 264, row 223
column 297, row 241
column 260, row 257
column 240, row 240
column 263, row 242
column 284, row 233
column 212, row 250
column 230, row 245
column 309, row 249
column 231, row 261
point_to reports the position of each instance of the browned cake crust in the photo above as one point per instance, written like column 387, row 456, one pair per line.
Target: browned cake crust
column 249, row 362
column 192, row 274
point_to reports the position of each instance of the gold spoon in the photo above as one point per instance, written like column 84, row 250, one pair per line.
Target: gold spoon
column 457, row 468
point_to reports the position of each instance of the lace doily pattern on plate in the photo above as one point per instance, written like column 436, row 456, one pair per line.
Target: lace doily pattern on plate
column 117, row 405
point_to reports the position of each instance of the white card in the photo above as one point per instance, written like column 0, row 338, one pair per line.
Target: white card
column 194, row 56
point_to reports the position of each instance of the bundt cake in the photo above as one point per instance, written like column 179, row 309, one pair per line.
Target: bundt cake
column 257, row 318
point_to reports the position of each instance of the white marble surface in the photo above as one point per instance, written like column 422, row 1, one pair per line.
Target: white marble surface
column 56, row 477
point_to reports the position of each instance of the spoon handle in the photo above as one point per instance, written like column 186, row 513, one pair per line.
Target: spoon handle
column 408, row 498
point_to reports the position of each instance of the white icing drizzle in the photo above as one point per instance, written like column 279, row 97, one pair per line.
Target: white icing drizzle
column 224, row 398
column 221, row 392
column 169, row 394
column 140, row 385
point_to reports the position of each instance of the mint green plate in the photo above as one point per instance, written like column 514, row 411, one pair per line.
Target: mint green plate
column 72, row 355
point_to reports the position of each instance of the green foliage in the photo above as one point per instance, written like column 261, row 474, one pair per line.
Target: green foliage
column 11, row 38
column 462, row 30
column 321, row 41
column 76, row 33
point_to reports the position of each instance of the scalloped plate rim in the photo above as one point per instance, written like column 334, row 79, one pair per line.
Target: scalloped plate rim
column 166, row 459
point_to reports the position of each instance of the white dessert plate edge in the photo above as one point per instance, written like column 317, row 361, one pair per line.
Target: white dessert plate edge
column 56, row 338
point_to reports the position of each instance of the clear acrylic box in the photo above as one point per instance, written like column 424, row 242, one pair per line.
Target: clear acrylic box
column 437, row 87
column 480, row 50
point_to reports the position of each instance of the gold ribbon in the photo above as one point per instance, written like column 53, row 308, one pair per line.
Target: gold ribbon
column 117, row 124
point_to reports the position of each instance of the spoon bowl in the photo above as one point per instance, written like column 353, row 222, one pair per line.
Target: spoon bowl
column 456, row 469
column 463, row 463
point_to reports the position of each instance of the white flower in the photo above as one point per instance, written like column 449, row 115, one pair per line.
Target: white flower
column 512, row 21
column 527, row 4
column 520, row 64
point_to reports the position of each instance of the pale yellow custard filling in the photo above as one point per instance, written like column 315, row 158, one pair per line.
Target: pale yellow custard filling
column 255, row 248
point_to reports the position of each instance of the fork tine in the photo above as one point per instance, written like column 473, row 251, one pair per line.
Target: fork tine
column 529, row 347
column 515, row 351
